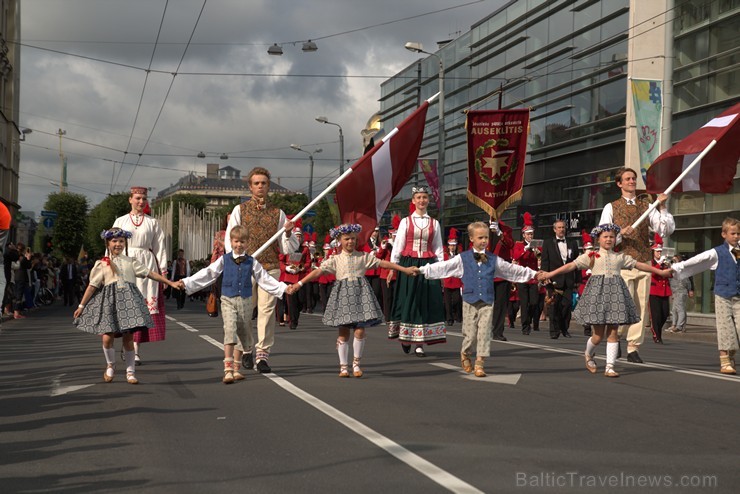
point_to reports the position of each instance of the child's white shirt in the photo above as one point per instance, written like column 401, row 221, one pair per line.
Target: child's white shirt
column 208, row 275
column 707, row 260
column 453, row 268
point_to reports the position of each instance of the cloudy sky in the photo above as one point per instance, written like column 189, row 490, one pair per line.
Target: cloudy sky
column 229, row 96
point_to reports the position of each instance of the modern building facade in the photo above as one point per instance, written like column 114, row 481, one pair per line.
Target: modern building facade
column 10, row 133
column 570, row 62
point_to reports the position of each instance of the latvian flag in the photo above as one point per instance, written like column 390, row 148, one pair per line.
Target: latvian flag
column 715, row 172
column 381, row 174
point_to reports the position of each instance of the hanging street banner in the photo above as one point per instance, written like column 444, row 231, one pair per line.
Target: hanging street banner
column 648, row 102
column 497, row 148
column 429, row 168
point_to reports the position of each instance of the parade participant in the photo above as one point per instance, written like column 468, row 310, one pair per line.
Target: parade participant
column 501, row 287
column 180, row 270
column 326, row 280
column 636, row 243
column 148, row 247
column 237, row 268
column 682, row 289
column 312, row 289
column 513, row 307
column 585, row 274
column 352, row 304
column 293, row 266
column 373, row 275
column 388, row 276
column 263, row 220
column 418, row 311
column 452, row 285
column 5, row 220
column 724, row 260
column 606, row 302
column 557, row 252
column 112, row 304
column 525, row 254
column 660, row 292
column 477, row 267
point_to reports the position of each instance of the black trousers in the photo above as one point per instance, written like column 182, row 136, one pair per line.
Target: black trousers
column 377, row 285
column 501, row 290
column 294, row 308
column 324, row 292
column 513, row 309
column 68, row 292
column 529, row 299
column 453, row 305
column 388, row 292
column 180, row 294
column 560, row 313
column 659, row 312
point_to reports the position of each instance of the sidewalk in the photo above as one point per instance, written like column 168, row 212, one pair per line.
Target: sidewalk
column 704, row 334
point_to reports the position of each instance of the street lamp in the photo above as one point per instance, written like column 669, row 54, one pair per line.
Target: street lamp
column 310, row 157
column 24, row 133
column 341, row 142
column 63, row 184
column 417, row 47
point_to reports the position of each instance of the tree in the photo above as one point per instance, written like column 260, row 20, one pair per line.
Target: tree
column 70, row 223
column 101, row 218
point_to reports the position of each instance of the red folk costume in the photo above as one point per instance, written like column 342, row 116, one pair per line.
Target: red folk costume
column 585, row 273
column 660, row 292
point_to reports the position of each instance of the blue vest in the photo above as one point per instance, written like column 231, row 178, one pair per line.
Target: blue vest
column 478, row 278
column 727, row 275
column 237, row 280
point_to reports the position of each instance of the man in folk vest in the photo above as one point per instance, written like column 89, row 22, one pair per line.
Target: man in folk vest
column 262, row 220
column 636, row 243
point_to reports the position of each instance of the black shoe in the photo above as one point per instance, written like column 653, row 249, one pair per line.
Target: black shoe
column 536, row 328
column 406, row 348
column 555, row 337
column 586, row 332
column 511, row 326
column 263, row 368
column 419, row 352
column 500, row 338
column 248, row 360
column 659, row 341
column 619, row 349
column 293, row 325
column 634, row 357
column 525, row 332
column 566, row 334
column 450, row 323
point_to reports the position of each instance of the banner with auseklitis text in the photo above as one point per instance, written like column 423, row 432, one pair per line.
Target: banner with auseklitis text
column 497, row 148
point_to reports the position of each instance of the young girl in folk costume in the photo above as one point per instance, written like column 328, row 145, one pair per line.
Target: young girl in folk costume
column 116, row 306
column 660, row 292
column 352, row 303
column 147, row 246
column 418, row 312
column 606, row 302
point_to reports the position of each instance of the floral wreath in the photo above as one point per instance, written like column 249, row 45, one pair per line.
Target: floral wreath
column 606, row 227
column 479, row 166
column 345, row 229
column 115, row 233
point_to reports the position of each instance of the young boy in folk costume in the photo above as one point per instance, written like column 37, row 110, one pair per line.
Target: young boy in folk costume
column 660, row 292
column 527, row 255
column 477, row 267
column 724, row 260
column 237, row 268
column 418, row 311
column 452, row 285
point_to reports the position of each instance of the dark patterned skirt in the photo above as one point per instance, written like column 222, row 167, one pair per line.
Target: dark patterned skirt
column 606, row 300
column 116, row 308
column 352, row 303
column 418, row 309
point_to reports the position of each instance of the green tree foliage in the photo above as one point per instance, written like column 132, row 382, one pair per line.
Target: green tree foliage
column 101, row 217
column 70, row 223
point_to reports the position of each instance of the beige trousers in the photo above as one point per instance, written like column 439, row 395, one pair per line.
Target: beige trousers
column 638, row 284
column 476, row 328
column 265, row 320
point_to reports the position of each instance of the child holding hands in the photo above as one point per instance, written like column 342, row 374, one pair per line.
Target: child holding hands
column 606, row 302
column 352, row 303
column 236, row 297
column 477, row 267
column 116, row 306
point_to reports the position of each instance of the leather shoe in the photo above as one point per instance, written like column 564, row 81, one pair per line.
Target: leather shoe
column 419, row 351
column 555, row 337
column 566, row 334
column 248, row 360
column 293, row 325
column 634, row 357
column 405, row 348
column 263, row 368
column 500, row 338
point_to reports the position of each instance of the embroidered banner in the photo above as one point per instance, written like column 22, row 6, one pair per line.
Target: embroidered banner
column 497, row 148
column 429, row 167
column 648, row 103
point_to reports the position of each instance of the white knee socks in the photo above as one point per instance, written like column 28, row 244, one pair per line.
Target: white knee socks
column 611, row 353
column 110, row 355
column 590, row 348
column 358, row 345
column 129, row 356
column 343, row 351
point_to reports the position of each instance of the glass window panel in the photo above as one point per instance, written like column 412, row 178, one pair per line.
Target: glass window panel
column 615, row 26
column 560, row 24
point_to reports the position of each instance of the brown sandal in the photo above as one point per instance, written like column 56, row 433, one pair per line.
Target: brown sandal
column 590, row 364
column 465, row 362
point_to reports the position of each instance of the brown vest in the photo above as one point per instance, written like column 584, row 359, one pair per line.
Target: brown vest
column 636, row 245
column 261, row 224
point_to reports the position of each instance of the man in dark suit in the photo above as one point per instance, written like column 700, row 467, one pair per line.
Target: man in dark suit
column 557, row 252
column 69, row 276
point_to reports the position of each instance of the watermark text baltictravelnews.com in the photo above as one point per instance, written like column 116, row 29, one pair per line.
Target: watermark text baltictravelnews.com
column 614, row 480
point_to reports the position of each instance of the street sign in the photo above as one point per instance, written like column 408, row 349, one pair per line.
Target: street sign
column 49, row 222
column 49, row 214
column 310, row 213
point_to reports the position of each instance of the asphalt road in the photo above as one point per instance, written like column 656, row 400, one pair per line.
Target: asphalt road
column 539, row 423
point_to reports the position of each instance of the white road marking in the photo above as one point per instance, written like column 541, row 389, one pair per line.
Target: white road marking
column 57, row 389
column 672, row 368
column 213, row 342
column 490, row 378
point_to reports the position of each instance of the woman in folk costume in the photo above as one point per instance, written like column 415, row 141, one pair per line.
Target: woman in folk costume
column 147, row 245
column 418, row 316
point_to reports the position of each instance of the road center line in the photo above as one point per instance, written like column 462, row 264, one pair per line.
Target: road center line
column 672, row 368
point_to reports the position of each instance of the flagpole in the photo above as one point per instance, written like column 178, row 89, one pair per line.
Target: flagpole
column 675, row 182
column 331, row 187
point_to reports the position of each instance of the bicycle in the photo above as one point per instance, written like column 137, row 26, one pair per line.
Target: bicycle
column 44, row 297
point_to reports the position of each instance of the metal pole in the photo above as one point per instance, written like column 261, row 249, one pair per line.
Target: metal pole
column 310, row 178
column 441, row 143
column 63, row 180
column 341, row 151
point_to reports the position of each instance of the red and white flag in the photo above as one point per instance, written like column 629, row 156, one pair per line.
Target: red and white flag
column 715, row 171
column 380, row 174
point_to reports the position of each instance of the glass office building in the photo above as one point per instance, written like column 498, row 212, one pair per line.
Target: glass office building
column 568, row 61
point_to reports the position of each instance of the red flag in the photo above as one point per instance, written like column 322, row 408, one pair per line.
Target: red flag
column 497, row 147
column 714, row 173
column 380, row 174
